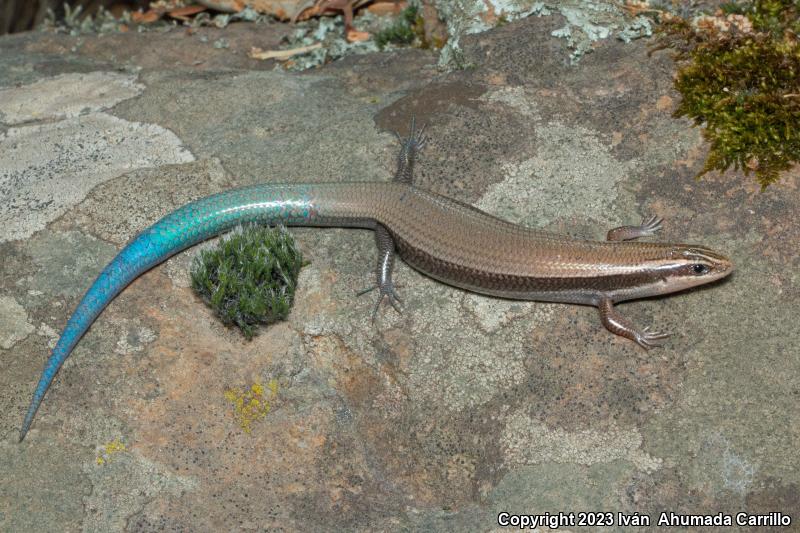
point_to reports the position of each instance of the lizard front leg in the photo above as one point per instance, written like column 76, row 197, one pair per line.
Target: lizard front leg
column 648, row 227
column 619, row 325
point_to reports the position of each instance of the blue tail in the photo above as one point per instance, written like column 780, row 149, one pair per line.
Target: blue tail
column 132, row 261
column 192, row 223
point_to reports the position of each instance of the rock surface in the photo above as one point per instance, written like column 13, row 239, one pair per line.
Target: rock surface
column 436, row 420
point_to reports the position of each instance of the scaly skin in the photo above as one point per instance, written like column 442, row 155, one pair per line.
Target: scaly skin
column 443, row 238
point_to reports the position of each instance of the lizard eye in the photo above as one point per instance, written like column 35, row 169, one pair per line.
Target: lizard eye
column 699, row 269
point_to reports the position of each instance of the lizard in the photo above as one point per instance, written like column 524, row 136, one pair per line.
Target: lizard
column 443, row 238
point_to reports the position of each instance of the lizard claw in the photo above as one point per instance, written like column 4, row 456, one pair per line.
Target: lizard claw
column 651, row 225
column 416, row 137
column 365, row 291
column 648, row 339
column 386, row 291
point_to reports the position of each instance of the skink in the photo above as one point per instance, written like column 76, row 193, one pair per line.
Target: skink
column 448, row 240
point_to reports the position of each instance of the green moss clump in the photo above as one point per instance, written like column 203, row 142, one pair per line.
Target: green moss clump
column 741, row 78
column 774, row 16
column 408, row 26
column 250, row 277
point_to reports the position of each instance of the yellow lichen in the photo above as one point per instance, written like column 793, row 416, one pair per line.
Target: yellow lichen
column 109, row 449
column 250, row 405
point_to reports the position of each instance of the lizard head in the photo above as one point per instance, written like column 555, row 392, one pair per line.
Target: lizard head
column 665, row 268
column 689, row 265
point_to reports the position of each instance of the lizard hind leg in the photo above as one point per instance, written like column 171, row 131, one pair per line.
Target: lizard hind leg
column 383, row 272
column 409, row 148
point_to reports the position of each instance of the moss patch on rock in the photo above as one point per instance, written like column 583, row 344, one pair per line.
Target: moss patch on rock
column 409, row 26
column 740, row 77
column 250, row 277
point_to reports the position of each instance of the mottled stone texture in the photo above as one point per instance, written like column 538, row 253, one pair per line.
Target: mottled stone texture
column 435, row 420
